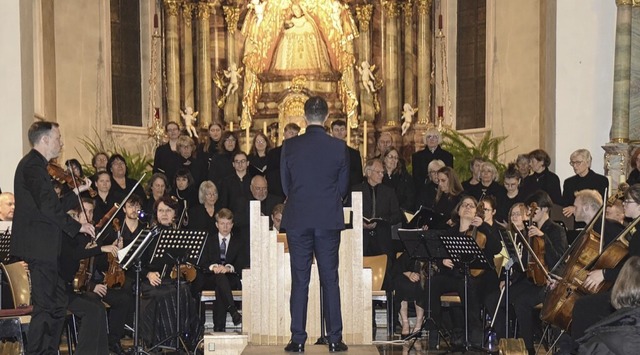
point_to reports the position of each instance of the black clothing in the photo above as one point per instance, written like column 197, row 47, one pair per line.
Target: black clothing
column 235, row 194
column 421, row 160
column 576, row 183
column 166, row 161
column 273, row 171
column 616, row 334
column 406, row 290
column 257, row 164
column 494, row 189
column 103, row 206
column 196, row 167
column 444, row 207
column 427, row 195
column 200, row 220
column 378, row 240
column 190, row 195
column 634, row 177
column 267, row 205
column 546, row 181
column 505, row 203
column 468, row 187
column 402, row 184
column 116, row 189
column 355, row 167
column 220, row 167
column 555, row 238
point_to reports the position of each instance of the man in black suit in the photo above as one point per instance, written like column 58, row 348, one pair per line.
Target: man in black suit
column 315, row 177
column 166, row 158
column 260, row 191
column 431, row 151
column 38, row 226
column 273, row 160
column 339, row 130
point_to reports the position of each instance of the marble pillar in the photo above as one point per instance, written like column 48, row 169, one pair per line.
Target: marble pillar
column 409, row 92
column 391, row 58
column 187, row 55
column 634, row 84
column 364, row 13
column 424, row 62
column 205, row 100
column 620, row 120
column 172, row 60
column 231, row 17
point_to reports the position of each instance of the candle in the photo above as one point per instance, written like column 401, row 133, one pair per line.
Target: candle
column 348, row 135
column 610, row 182
column 231, row 126
column 264, row 127
column 440, row 111
column 623, row 179
column 247, row 145
column 155, row 20
column 440, row 21
column 364, row 139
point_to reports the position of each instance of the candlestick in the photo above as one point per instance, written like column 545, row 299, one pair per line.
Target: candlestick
column 365, row 140
column 623, row 179
column 440, row 21
column 231, row 126
column 155, row 20
column 264, row 127
column 247, row 145
column 348, row 135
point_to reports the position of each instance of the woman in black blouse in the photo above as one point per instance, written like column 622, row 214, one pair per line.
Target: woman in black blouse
column 397, row 177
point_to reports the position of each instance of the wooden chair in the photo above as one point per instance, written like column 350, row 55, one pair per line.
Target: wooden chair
column 378, row 266
column 14, row 321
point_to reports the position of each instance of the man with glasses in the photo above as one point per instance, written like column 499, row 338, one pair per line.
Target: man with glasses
column 260, row 192
column 584, row 178
column 166, row 158
column 235, row 193
column 432, row 151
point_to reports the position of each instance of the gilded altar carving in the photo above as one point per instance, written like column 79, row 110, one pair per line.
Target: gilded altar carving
column 424, row 7
column 625, row 2
column 390, row 9
column 171, row 7
column 364, row 13
column 187, row 12
column 407, row 12
column 231, row 17
column 202, row 11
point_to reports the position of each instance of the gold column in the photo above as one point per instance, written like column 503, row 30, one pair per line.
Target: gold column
column 391, row 64
column 231, row 17
column 364, row 13
column 187, row 55
column 172, row 60
column 204, row 64
column 622, row 71
column 424, row 62
column 409, row 56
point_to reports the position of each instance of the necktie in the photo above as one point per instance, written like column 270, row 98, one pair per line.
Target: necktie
column 223, row 250
column 373, row 202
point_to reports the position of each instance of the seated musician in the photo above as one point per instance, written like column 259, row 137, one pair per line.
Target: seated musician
column 158, row 319
column 448, row 195
column 409, row 282
column 429, row 188
column 223, row 259
column 592, row 308
column 450, row 277
column 85, row 298
column 7, row 206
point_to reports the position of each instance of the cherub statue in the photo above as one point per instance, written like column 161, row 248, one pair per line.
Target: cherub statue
column 189, row 118
column 233, row 74
column 258, row 8
column 366, row 75
column 407, row 117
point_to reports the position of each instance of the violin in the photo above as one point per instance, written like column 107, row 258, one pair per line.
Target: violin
column 107, row 216
column 479, row 237
column 187, row 272
column 62, row 176
column 536, row 267
column 114, row 277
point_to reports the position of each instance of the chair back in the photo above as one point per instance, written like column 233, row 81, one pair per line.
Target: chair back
column 19, row 283
column 378, row 266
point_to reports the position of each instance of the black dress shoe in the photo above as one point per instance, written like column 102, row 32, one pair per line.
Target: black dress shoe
column 337, row 347
column 236, row 317
column 294, row 347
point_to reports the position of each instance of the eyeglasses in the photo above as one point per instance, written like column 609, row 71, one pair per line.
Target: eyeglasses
column 378, row 171
column 243, row 161
column 260, row 188
column 230, row 139
column 432, row 136
column 165, row 210
column 574, row 163
column 468, row 205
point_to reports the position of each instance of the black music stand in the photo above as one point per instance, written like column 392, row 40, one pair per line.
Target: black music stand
column 514, row 259
column 424, row 245
column 423, row 216
column 464, row 250
column 178, row 247
column 133, row 257
column 5, row 245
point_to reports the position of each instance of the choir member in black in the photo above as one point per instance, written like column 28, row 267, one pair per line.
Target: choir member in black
column 384, row 142
column 489, row 186
column 132, row 224
column 473, row 182
column 85, row 301
column 397, row 178
column 166, row 156
column 592, row 308
column 187, row 160
column 157, row 187
column 273, row 160
column 339, row 130
column 618, row 333
column 221, row 164
column 235, row 193
column 185, row 189
column 542, row 178
column 431, row 151
column 120, row 182
column 208, row 149
column 448, row 196
column 258, row 155
column 524, row 294
column 523, row 164
column 634, row 175
column 225, row 255
column 450, row 278
column 202, row 216
column 276, row 216
column 409, row 282
column 260, row 192
column 429, row 189
column 99, row 163
column 158, row 303
column 585, row 178
column 512, row 186
column 105, row 197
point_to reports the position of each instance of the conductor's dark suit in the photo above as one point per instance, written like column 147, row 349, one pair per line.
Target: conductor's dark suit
column 38, row 226
column 315, row 176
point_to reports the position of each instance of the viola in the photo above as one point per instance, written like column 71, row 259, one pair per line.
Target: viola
column 187, row 272
column 107, row 216
column 62, row 176
column 114, row 277
column 479, row 237
column 536, row 267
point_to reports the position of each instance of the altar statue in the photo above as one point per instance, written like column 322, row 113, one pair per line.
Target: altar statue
column 407, row 117
column 300, row 49
column 258, row 8
column 189, row 118
column 233, row 74
column 366, row 75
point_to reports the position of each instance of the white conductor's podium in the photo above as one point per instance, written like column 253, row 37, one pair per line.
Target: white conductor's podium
column 266, row 287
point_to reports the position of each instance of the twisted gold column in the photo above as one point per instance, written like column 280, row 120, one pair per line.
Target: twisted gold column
column 231, row 16
column 187, row 55
column 391, row 62
column 424, row 61
column 172, row 60
column 204, row 64
column 409, row 57
column 364, row 13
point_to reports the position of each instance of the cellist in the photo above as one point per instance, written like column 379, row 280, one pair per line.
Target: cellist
column 592, row 308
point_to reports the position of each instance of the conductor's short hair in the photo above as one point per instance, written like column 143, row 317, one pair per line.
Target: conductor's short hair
column 38, row 129
column 316, row 109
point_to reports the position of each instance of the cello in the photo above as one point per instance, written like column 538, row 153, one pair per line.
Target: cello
column 536, row 266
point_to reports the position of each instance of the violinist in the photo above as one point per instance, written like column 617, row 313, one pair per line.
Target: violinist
column 448, row 195
column 159, row 301
column 105, row 198
column 450, row 277
column 85, row 304
column 592, row 308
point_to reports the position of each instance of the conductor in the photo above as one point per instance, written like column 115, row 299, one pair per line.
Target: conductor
column 315, row 173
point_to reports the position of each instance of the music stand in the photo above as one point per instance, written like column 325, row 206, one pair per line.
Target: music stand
column 514, row 259
column 423, row 216
column 133, row 256
column 464, row 250
column 424, row 245
column 179, row 247
column 5, row 245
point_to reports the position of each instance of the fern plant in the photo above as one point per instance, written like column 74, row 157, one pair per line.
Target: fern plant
column 137, row 163
column 464, row 149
